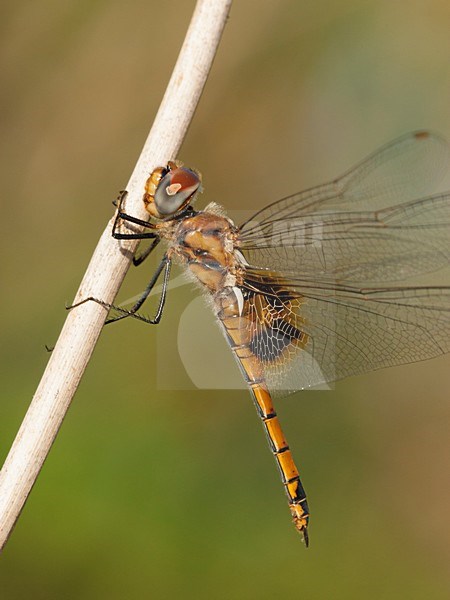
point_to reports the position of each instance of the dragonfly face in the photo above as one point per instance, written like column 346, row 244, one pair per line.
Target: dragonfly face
column 170, row 189
column 313, row 287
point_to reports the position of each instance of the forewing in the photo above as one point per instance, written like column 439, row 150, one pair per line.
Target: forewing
column 362, row 248
column 405, row 169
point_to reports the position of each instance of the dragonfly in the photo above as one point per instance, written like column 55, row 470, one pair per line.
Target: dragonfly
column 315, row 287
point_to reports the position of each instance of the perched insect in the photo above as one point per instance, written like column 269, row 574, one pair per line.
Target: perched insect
column 309, row 290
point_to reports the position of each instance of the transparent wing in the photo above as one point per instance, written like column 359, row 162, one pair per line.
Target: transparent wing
column 358, row 247
column 402, row 170
column 312, row 312
column 314, row 335
column 349, row 230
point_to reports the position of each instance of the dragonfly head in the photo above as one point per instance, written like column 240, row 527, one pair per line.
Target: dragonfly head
column 170, row 189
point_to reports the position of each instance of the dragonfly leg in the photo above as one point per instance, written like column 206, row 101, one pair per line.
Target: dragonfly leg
column 122, row 216
column 138, row 260
column 280, row 448
column 132, row 236
column 132, row 312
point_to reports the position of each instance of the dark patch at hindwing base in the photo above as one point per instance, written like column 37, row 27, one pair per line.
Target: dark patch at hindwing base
column 276, row 329
column 278, row 336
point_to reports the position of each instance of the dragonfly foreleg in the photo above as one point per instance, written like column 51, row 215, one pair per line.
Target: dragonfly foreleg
column 122, row 216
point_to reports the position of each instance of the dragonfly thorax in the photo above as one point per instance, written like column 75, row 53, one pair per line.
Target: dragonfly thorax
column 204, row 242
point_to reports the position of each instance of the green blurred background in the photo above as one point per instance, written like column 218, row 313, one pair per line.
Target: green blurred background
column 160, row 494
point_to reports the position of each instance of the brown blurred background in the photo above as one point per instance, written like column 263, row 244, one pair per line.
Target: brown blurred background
column 153, row 493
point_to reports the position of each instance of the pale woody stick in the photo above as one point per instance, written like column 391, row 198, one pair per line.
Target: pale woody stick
column 107, row 268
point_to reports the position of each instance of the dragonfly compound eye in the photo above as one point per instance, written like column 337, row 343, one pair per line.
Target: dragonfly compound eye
column 175, row 190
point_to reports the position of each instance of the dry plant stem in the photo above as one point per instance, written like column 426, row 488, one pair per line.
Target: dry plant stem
column 107, row 268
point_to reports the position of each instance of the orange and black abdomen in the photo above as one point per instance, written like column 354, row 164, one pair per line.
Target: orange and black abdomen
column 237, row 320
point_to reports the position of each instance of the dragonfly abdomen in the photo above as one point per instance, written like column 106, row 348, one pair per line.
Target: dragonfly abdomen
column 280, row 448
column 232, row 315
